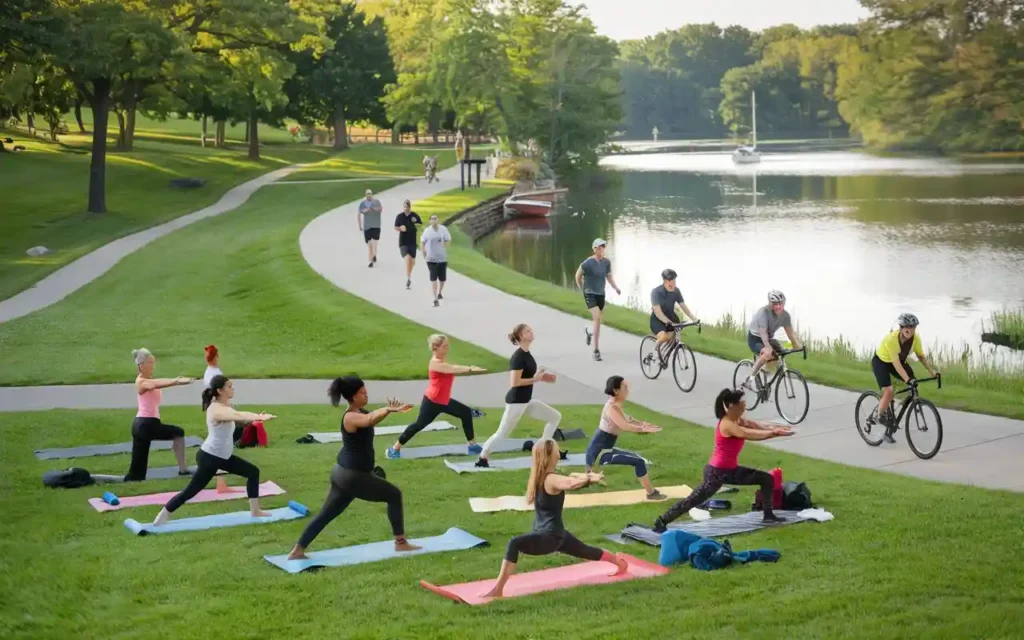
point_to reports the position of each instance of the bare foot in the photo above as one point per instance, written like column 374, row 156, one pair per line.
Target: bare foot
column 260, row 513
column 298, row 554
column 622, row 565
column 227, row 489
column 493, row 593
column 404, row 545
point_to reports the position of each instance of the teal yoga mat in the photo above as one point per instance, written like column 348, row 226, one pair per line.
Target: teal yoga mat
column 293, row 511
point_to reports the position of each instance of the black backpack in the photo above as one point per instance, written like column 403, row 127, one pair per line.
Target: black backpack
column 796, row 496
column 68, row 478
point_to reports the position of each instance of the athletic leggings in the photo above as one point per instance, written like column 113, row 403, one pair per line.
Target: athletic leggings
column 714, row 478
column 429, row 410
column 348, row 485
column 542, row 543
column 602, row 441
column 209, row 464
column 513, row 412
column 144, row 432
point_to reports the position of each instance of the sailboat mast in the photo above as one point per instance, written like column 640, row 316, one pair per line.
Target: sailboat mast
column 753, row 114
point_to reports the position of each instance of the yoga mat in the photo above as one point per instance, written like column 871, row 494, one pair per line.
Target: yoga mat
column 438, row 450
column 331, row 437
column 715, row 527
column 570, row 434
column 217, row 521
column 453, row 539
column 510, row 464
column 567, row 577
column 90, row 450
column 153, row 473
column 577, row 500
column 206, row 495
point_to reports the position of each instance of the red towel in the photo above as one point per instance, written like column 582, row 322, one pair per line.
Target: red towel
column 254, row 435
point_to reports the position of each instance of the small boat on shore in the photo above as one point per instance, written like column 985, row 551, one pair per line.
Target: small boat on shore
column 547, row 195
column 523, row 206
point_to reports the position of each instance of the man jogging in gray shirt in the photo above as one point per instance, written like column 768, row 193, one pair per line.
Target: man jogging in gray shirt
column 590, row 278
column 369, row 223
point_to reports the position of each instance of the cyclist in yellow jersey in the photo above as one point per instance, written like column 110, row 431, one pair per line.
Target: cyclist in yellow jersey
column 891, row 360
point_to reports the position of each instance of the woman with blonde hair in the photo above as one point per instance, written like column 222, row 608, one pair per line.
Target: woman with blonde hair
column 438, row 398
column 546, row 491
column 519, row 401
column 147, row 426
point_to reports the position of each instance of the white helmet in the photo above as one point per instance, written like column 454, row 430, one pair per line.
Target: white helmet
column 907, row 320
column 776, row 296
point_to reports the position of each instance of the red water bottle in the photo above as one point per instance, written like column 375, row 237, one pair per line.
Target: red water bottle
column 776, row 474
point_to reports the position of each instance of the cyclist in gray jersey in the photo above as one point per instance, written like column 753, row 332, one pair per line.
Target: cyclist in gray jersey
column 761, row 332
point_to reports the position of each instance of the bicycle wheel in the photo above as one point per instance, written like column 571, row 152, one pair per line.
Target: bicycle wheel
column 649, row 363
column 924, row 429
column 866, row 415
column 684, row 368
column 792, row 398
column 739, row 375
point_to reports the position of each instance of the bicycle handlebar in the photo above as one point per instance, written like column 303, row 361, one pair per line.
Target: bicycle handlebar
column 683, row 325
column 786, row 352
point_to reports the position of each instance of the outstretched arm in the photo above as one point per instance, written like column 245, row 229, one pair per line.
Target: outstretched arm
column 626, row 423
column 571, row 483
column 225, row 413
column 354, row 420
column 448, row 367
column 161, row 383
column 793, row 338
column 739, row 431
column 686, row 312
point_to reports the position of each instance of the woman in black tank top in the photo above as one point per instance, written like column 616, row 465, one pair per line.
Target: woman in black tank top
column 355, row 476
column 546, row 490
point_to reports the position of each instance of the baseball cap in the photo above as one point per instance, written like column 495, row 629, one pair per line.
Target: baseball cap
column 597, row 243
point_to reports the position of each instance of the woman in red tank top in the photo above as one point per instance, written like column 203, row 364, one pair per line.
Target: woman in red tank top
column 438, row 398
column 731, row 434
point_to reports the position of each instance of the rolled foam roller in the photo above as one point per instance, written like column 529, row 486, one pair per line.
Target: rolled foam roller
column 298, row 507
column 110, row 498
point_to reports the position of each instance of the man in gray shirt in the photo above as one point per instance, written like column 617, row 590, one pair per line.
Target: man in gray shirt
column 590, row 278
column 761, row 332
column 369, row 223
column 434, row 242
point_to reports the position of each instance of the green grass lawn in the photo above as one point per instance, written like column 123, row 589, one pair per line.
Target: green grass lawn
column 237, row 280
column 377, row 159
column 904, row 558
column 182, row 129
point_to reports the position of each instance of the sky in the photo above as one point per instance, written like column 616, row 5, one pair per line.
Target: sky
column 630, row 19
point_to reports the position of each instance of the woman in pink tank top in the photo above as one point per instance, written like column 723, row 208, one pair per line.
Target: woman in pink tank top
column 147, row 426
column 438, row 398
column 731, row 434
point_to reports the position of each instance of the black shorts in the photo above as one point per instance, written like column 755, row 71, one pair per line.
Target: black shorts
column 371, row 234
column 407, row 250
column 885, row 372
column 594, row 300
column 657, row 326
column 755, row 344
column 438, row 271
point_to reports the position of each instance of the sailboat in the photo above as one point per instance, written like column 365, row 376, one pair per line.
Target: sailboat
column 749, row 155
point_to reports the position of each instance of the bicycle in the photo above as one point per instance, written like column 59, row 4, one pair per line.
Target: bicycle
column 914, row 407
column 785, row 378
column 684, row 366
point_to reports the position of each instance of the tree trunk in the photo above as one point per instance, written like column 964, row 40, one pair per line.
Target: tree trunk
column 416, row 136
column 100, row 104
column 30, row 121
column 340, row 133
column 219, row 136
column 396, row 134
column 78, row 115
column 202, row 136
column 254, row 135
column 129, row 128
column 245, row 138
column 121, row 142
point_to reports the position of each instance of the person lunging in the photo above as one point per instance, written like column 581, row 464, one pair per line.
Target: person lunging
column 147, row 426
column 614, row 421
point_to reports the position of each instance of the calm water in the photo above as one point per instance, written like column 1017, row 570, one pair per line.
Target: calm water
column 853, row 240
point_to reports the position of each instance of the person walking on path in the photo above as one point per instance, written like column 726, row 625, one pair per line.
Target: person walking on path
column 405, row 225
column 590, row 278
column 435, row 241
column 438, row 398
column 147, row 426
column 369, row 223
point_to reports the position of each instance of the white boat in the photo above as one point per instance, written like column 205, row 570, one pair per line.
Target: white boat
column 749, row 155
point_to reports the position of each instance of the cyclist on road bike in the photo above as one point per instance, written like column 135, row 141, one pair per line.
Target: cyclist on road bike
column 665, row 298
column 891, row 360
column 761, row 332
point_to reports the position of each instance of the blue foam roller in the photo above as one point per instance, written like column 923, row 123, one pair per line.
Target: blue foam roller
column 110, row 498
column 298, row 507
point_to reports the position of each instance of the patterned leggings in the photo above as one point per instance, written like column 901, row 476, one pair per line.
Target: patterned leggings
column 714, row 478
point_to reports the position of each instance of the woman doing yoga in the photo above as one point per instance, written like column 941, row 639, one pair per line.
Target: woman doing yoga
column 353, row 477
column 147, row 426
column 546, row 491
column 217, row 451
column 731, row 434
column 438, row 398
column 523, row 374
column 614, row 421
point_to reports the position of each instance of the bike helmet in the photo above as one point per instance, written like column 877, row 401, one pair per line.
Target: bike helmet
column 668, row 274
column 776, row 296
column 907, row 320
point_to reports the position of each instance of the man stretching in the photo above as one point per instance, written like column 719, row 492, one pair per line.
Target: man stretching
column 590, row 278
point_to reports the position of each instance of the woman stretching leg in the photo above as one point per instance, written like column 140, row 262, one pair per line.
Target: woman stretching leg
column 217, row 451
column 614, row 421
column 147, row 426
column 353, row 477
column 546, row 491
column 523, row 374
column 731, row 434
column 438, row 398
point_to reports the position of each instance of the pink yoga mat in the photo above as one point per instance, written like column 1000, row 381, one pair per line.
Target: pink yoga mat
column 573, row 575
column 206, row 495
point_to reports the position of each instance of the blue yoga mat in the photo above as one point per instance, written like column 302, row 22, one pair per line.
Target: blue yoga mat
column 454, row 539
column 291, row 512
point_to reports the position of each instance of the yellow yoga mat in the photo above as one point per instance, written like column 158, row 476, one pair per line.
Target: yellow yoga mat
column 578, row 500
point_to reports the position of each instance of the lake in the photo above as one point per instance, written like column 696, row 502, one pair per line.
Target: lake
column 852, row 239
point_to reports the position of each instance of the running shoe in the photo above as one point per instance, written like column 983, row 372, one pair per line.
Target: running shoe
column 474, row 449
column 408, row 284
column 440, row 296
column 370, row 265
column 436, row 303
column 375, row 258
column 392, row 454
column 597, row 356
column 590, row 336
column 186, row 472
column 656, row 495
column 483, row 463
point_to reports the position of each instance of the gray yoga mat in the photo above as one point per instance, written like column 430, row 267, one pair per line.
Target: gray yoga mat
column 440, row 450
column 713, row 528
column 510, row 464
column 153, row 473
column 90, row 450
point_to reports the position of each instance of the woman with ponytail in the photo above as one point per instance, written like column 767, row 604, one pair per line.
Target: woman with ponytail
column 546, row 491
column 217, row 451
column 523, row 374
column 354, row 476
column 147, row 426
column 247, row 433
column 731, row 433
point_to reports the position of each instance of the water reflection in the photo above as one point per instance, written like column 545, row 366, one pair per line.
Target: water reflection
column 852, row 240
